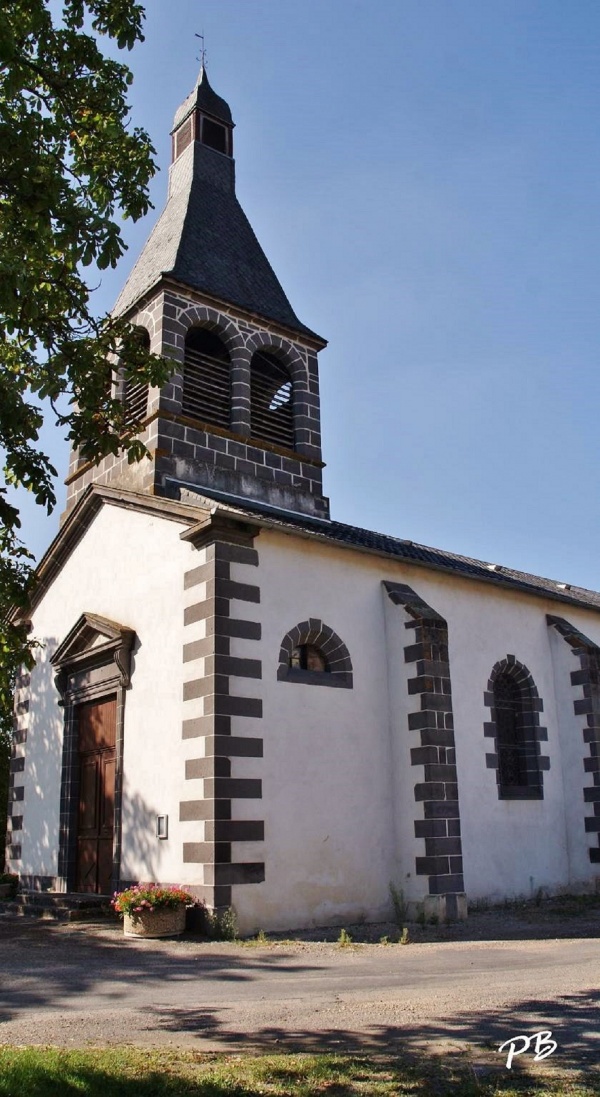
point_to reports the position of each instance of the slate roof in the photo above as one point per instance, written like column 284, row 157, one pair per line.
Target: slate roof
column 382, row 544
column 462, row 565
column 204, row 240
column 197, row 504
column 206, row 100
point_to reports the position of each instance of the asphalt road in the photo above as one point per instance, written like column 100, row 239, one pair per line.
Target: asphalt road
column 80, row 985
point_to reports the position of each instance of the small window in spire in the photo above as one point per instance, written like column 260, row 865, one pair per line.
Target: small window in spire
column 214, row 135
column 183, row 137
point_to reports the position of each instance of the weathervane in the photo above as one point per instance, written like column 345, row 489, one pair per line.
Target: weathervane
column 202, row 57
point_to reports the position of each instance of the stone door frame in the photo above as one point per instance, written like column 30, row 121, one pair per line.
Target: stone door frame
column 92, row 664
column 97, row 723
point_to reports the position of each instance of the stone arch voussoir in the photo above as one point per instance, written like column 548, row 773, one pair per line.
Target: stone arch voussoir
column 518, row 671
column 147, row 320
column 284, row 351
column 201, row 316
column 316, row 633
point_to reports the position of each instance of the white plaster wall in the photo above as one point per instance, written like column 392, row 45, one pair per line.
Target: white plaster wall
column 514, row 847
column 128, row 567
column 43, row 762
column 338, row 796
column 338, row 800
column 329, row 846
column 510, row 847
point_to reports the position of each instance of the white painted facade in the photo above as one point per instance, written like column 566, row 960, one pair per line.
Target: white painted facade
column 127, row 568
column 338, row 798
column 340, row 825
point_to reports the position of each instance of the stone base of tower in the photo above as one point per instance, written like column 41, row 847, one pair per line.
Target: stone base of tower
column 274, row 487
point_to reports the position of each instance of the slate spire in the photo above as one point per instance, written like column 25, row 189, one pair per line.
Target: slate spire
column 239, row 417
column 202, row 238
column 205, row 99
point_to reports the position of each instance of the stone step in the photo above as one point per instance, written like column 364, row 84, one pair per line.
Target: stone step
column 58, row 906
column 61, row 899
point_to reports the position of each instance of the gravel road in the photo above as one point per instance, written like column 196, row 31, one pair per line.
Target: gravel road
column 78, row 985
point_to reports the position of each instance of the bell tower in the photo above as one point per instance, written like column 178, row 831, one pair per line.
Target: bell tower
column 239, row 419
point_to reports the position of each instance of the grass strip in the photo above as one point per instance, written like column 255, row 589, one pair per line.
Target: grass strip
column 136, row 1072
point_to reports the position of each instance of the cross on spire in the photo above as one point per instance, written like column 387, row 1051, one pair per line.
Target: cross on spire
column 202, row 57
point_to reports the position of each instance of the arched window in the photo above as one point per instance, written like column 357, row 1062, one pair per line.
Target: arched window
column 206, row 378
column 135, row 393
column 515, row 707
column 271, row 401
column 313, row 653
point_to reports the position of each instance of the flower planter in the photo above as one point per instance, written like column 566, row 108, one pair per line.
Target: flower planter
column 164, row 922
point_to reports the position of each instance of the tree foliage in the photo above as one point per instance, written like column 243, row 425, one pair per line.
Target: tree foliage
column 71, row 166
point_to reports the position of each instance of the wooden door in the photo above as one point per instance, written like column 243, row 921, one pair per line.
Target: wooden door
column 97, row 723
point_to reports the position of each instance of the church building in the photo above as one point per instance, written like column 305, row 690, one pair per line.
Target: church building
column 239, row 694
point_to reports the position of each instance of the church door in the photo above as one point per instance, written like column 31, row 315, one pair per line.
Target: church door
column 97, row 736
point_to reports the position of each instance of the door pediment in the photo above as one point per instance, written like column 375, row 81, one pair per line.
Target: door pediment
column 93, row 642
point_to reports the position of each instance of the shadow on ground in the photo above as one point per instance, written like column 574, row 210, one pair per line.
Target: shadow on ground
column 76, row 961
column 572, row 1020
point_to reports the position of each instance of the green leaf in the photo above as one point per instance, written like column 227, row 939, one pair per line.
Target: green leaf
column 68, row 162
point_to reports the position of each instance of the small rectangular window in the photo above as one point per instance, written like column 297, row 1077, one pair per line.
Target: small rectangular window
column 183, row 137
column 214, row 135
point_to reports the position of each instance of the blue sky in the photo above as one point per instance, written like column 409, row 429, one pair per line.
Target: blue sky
column 423, row 176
